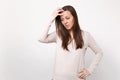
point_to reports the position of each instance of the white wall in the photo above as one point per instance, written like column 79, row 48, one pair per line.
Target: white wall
column 22, row 57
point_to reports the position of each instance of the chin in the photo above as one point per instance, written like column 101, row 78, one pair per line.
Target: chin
column 68, row 29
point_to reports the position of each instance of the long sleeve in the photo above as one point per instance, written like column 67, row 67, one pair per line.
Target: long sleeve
column 97, row 50
column 44, row 36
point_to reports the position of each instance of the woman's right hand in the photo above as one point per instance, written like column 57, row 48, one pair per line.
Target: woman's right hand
column 57, row 12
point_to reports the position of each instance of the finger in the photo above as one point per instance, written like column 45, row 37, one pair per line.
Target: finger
column 81, row 71
column 60, row 11
column 83, row 76
column 60, row 14
column 79, row 74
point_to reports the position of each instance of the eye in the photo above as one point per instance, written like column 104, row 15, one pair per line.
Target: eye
column 67, row 17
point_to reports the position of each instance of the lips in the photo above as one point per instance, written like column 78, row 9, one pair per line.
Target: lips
column 66, row 24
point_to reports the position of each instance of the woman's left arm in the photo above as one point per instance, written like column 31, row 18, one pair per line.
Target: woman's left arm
column 97, row 50
column 98, row 55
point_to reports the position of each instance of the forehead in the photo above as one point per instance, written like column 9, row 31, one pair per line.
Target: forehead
column 66, row 13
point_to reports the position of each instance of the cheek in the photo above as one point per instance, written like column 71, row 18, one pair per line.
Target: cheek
column 62, row 22
column 72, row 22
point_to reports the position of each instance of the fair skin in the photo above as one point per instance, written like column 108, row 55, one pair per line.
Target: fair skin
column 68, row 20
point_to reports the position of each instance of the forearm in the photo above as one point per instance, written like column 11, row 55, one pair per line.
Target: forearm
column 44, row 33
column 98, row 53
column 96, row 60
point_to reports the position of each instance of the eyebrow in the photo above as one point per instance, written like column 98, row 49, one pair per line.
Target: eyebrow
column 65, row 17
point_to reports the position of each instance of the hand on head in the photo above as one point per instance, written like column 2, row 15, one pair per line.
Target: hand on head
column 57, row 12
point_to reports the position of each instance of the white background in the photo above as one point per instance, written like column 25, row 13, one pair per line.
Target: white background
column 22, row 57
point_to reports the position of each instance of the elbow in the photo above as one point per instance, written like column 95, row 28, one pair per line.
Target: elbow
column 100, row 54
column 41, row 40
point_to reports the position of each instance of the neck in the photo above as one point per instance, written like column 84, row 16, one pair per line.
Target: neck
column 71, row 34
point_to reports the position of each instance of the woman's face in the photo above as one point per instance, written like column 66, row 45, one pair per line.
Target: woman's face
column 67, row 19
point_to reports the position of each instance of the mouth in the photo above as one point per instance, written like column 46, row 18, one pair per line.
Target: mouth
column 66, row 24
column 67, row 27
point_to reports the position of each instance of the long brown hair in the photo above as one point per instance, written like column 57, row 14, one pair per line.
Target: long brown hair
column 64, row 34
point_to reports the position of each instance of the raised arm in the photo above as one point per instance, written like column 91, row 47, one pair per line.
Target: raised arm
column 44, row 36
column 97, row 50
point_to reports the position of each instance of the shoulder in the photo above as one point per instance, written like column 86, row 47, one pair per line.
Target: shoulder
column 85, row 33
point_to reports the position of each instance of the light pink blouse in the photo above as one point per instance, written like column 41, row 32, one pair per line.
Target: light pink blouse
column 68, row 63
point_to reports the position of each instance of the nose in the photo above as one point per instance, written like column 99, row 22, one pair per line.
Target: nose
column 65, row 22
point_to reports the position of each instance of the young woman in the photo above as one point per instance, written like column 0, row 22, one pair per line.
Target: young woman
column 72, row 43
